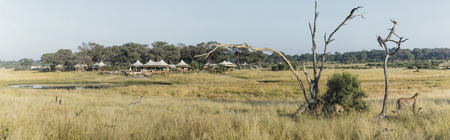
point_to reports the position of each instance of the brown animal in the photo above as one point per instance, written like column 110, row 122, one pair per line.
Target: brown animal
column 333, row 109
column 402, row 102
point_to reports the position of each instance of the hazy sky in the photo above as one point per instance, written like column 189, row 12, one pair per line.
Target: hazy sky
column 30, row 28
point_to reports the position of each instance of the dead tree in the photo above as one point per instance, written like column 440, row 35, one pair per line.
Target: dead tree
column 382, row 43
column 312, row 97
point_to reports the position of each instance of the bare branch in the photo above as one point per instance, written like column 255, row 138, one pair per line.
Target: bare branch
column 244, row 45
column 350, row 16
column 301, row 109
column 398, row 45
column 329, row 39
column 392, row 31
column 137, row 101
column 207, row 54
column 313, row 35
column 309, row 82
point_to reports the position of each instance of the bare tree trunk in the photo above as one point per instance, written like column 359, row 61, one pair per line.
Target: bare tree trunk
column 300, row 109
column 382, row 43
column 386, row 90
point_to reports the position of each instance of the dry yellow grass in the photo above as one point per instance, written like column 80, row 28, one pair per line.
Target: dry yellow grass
column 214, row 106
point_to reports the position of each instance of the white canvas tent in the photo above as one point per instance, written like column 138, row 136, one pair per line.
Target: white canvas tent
column 137, row 64
column 101, row 64
column 182, row 64
column 98, row 66
column 80, row 65
column 59, row 66
column 159, row 64
column 149, row 63
column 227, row 64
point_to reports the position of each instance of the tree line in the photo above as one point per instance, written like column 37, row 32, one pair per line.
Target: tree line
column 378, row 55
column 128, row 53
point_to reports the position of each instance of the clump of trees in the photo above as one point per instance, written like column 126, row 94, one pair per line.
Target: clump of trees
column 345, row 89
column 126, row 54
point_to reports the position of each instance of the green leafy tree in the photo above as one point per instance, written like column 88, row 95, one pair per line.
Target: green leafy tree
column 194, row 65
column 345, row 89
column 171, row 54
column 50, row 59
column 26, row 63
column 66, row 57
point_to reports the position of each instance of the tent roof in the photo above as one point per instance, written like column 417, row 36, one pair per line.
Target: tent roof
column 80, row 65
column 226, row 63
column 150, row 62
column 101, row 64
column 59, row 66
column 182, row 63
column 158, row 64
column 137, row 64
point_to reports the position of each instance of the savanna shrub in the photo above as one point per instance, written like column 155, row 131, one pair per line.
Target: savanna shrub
column 195, row 66
column 345, row 89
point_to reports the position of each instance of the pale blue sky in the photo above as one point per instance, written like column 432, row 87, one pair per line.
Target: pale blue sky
column 30, row 28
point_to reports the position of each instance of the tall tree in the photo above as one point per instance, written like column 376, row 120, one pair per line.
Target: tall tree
column 171, row 53
column 66, row 57
column 50, row 59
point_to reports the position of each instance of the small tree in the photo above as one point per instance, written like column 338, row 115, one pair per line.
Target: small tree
column 194, row 65
column 382, row 43
column 26, row 63
column 345, row 89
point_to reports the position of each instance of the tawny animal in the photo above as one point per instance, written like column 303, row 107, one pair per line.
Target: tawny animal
column 402, row 102
column 333, row 109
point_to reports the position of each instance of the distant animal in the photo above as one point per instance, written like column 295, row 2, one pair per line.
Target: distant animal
column 332, row 109
column 402, row 102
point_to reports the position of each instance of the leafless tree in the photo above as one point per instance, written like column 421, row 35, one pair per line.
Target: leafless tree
column 382, row 43
column 312, row 97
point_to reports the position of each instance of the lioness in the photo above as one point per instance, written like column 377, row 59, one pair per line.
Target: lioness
column 333, row 109
column 402, row 102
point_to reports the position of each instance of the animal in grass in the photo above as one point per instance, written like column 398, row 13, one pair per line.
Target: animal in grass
column 402, row 102
column 332, row 109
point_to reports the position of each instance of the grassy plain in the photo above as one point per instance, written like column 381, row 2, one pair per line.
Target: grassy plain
column 244, row 104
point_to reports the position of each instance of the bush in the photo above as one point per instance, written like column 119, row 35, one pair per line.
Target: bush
column 345, row 89
column 275, row 68
column 221, row 69
column 283, row 66
column 195, row 66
